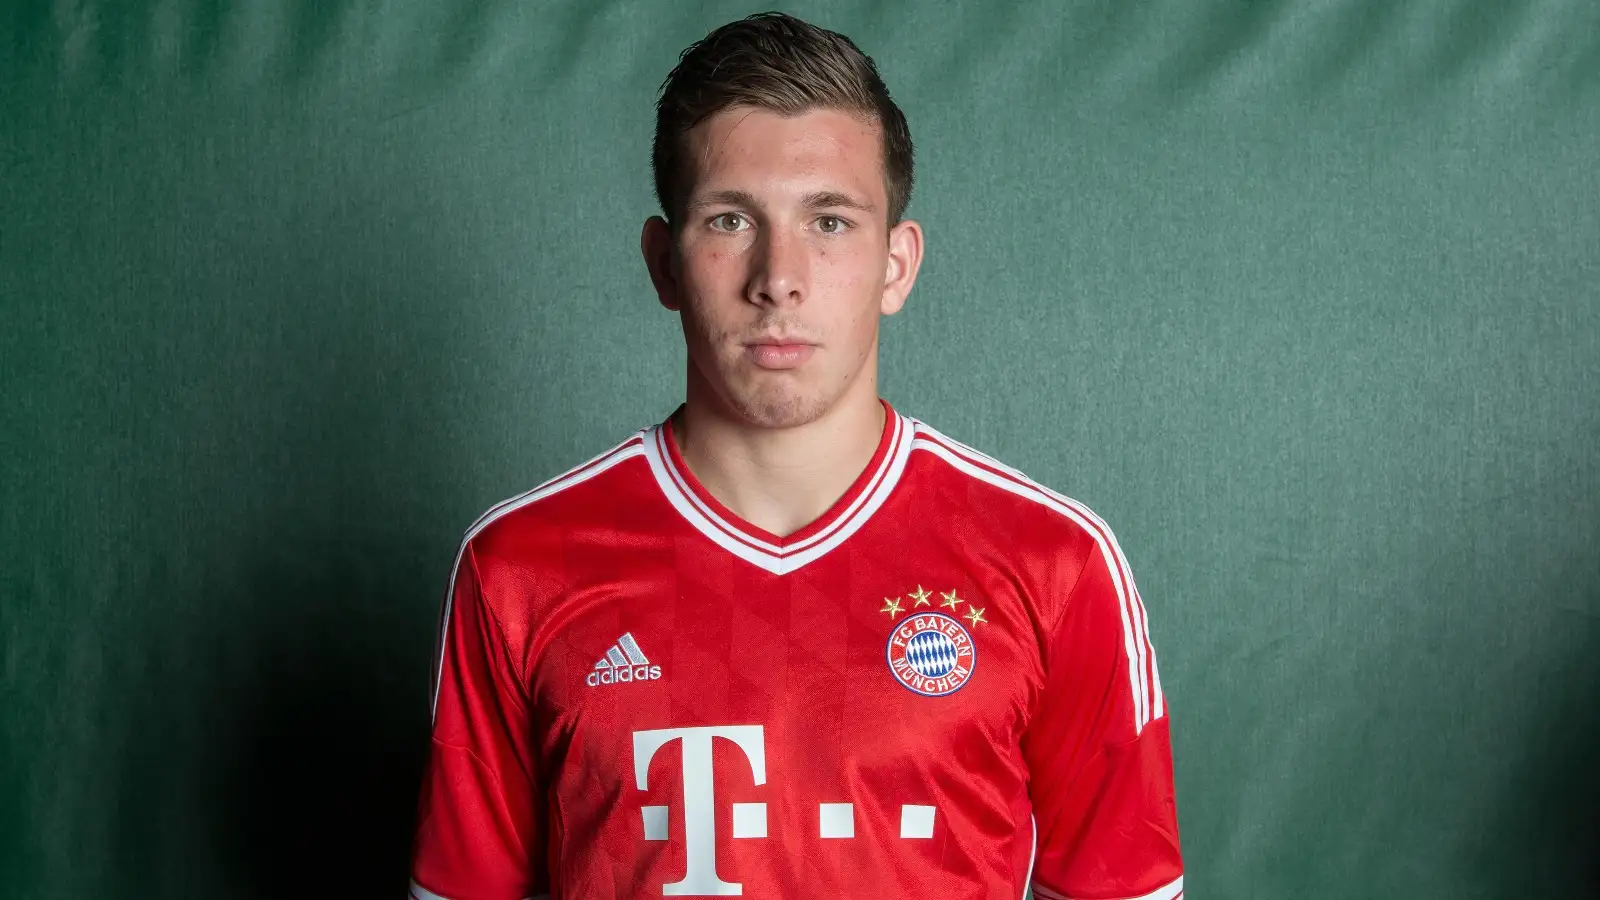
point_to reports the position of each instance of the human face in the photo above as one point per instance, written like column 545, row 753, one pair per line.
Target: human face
column 784, row 263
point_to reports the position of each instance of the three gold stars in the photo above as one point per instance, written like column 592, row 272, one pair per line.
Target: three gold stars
column 892, row 607
column 921, row 595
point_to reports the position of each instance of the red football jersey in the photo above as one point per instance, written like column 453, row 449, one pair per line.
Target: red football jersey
column 942, row 687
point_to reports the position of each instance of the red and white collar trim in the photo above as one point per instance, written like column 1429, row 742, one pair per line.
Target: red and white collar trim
column 781, row 555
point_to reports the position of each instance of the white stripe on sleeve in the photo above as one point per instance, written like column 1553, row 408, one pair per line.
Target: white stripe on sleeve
column 1170, row 891
column 418, row 892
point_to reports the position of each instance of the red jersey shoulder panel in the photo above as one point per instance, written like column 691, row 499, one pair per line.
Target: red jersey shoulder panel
column 1096, row 743
column 520, row 545
column 1051, row 535
column 1059, row 539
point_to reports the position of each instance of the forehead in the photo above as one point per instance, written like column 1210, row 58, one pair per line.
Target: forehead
column 762, row 151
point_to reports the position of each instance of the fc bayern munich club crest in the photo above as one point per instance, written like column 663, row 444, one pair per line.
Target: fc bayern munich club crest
column 931, row 654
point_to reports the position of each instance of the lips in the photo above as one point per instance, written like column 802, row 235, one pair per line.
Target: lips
column 779, row 353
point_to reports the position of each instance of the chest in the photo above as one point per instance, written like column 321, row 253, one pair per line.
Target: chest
column 890, row 663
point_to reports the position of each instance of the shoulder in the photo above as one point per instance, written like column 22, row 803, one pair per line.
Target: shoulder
column 1068, row 559
column 556, row 505
column 1051, row 536
column 998, row 492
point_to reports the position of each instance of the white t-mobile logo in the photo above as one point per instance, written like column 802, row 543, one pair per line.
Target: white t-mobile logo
column 699, row 802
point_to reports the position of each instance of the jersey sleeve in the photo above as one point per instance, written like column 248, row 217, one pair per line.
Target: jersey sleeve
column 480, row 829
column 1098, row 747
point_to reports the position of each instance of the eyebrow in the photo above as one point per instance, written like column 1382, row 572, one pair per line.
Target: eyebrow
column 814, row 200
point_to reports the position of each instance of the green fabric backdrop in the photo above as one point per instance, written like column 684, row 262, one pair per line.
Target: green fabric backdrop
column 1301, row 297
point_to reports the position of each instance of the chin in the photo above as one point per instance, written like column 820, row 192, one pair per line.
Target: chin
column 778, row 408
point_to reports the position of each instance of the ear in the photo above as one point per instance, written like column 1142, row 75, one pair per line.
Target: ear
column 905, row 258
column 660, row 258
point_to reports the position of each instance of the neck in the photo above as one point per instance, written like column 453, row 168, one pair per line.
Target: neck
column 780, row 479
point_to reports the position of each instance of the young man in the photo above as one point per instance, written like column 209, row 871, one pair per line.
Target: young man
column 791, row 642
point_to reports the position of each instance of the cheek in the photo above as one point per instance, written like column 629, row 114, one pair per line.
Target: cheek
column 856, row 276
column 712, row 261
column 710, row 273
column 714, row 277
column 856, row 321
column 857, row 265
column 709, row 318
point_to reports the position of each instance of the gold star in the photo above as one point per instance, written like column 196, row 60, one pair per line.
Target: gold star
column 975, row 616
column 921, row 595
column 892, row 607
column 951, row 601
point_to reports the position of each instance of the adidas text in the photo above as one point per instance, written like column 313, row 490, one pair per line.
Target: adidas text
column 624, row 675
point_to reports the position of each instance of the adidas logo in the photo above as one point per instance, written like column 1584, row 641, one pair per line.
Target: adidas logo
column 624, row 662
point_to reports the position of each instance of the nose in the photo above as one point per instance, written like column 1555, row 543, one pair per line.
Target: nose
column 780, row 276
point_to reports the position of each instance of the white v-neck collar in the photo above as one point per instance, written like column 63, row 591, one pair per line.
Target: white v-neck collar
column 781, row 556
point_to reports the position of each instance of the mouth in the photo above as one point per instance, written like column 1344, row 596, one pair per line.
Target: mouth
column 779, row 353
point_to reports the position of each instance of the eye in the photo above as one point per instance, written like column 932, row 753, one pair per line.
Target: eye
column 832, row 224
column 721, row 222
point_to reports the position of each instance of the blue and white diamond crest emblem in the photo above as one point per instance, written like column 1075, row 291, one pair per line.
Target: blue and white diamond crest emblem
column 931, row 654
